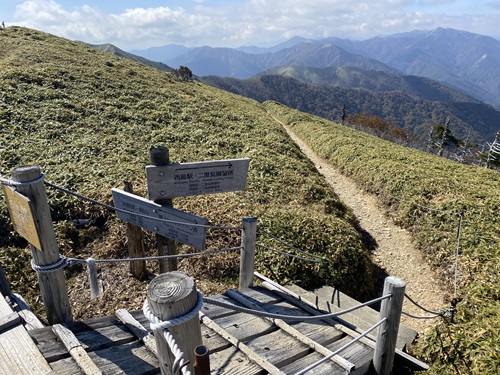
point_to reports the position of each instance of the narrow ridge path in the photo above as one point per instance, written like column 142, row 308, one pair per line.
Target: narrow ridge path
column 395, row 252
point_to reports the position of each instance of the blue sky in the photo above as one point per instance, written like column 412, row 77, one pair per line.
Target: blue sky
column 131, row 24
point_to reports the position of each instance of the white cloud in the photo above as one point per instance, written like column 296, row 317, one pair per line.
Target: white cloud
column 246, row 21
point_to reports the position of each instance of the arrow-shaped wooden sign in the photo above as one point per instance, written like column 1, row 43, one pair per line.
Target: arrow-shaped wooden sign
column 187, row 179
column 145, row 214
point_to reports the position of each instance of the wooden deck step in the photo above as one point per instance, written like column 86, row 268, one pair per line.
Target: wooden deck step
column 401, row 360
column 321, row 332
column 276, row 346
column 328, row 299
column 18, row 354
column 110, row 345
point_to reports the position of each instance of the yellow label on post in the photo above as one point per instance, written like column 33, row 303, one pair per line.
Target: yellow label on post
column 22, row 217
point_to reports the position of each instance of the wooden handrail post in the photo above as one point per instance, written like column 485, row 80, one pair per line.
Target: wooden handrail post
column 135, row 243
column 52, row 284
column 158, row 156
column 248, row 243
column 172, row 295
column 387, row 336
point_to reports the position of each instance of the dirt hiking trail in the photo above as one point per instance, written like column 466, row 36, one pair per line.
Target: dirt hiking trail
column 394, row 252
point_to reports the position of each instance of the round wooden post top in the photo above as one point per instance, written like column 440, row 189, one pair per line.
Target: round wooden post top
column 26, row 173
column 172, row 295
column 395, row 281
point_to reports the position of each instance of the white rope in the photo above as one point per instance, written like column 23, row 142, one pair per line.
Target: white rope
column 179, row 363
column 265, row 314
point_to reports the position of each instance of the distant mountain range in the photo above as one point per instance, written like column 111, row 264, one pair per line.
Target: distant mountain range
column 413, row 80
column 465, row 61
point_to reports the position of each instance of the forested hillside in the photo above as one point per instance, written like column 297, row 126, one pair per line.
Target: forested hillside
column 469, row 119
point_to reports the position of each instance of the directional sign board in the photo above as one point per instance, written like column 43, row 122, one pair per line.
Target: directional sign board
column 21, row 214
column 159, row 219
column 206, row 177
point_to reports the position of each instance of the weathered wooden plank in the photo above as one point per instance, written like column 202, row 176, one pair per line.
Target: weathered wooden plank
column 9, row 321
column 16, row 346
column 233, row 362
column 48, row 344
column 278, row 348
column 327, row 368
column 93, row 323
column 358, row 353
column 244, row 326
column 105, row 337
column 210, row 338
column 132, row 358
column 213, row 341
column 266, row 365
column 287, row 308
column 66, row 366
column 362, row 318
column 76, row 350
column 138, row 330
column 139, row 316
column 261, row 296
column 293, row 332
column 319, row 331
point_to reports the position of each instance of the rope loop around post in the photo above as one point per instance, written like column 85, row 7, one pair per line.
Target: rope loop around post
column 157, row 324
column 60, row 264
column 10, row 182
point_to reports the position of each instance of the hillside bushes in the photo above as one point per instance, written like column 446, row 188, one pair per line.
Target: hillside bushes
column 426, row 194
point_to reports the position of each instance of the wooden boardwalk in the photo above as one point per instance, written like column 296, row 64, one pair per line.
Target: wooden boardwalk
column 239, row 343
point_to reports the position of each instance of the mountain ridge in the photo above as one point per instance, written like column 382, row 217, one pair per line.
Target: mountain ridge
column 465, row 61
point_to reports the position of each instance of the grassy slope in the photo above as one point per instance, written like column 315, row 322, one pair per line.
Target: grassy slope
column 407, row 181
column 88, row 118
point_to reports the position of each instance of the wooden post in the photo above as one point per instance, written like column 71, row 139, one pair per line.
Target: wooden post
column 52, row 284
column 135, row 244
column 172, row 295
column 248, row 240
column 158, row 156
column 387, row 336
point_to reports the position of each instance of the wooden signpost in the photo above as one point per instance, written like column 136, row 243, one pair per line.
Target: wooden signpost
column 145, row 213
column 198, row 178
